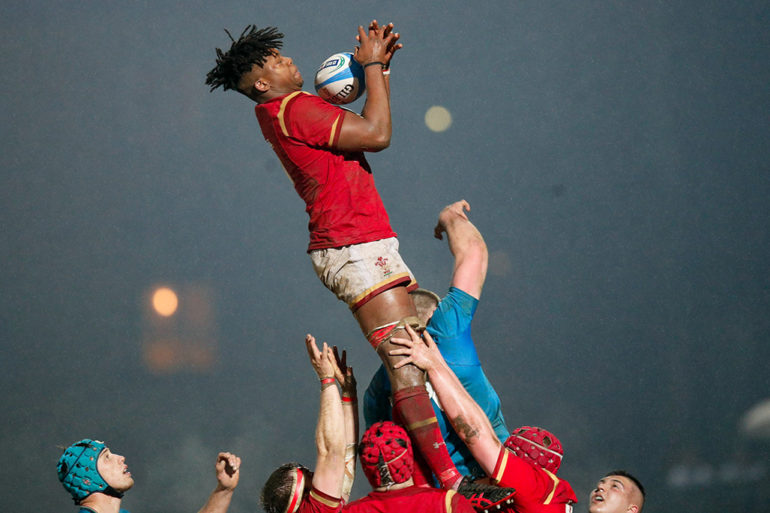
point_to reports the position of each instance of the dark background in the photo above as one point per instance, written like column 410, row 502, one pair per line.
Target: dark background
column 615, row 155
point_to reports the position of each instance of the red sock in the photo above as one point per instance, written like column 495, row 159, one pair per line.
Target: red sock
column 413, row 405
column 422, row 474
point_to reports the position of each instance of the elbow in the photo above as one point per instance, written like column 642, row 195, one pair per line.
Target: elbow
column 378, row 137
column 379, row 143
column 477, row 248
column 331, row 453
column 331, row 456
column 331, row 447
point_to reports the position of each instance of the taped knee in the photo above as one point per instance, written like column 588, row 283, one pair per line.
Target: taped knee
column 384, row 333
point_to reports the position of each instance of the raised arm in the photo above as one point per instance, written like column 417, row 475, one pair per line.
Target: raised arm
column 466, row 417
column 227, row 468
column 347, row 381
column 330, row 430
column 371, row 131
column 467, row 246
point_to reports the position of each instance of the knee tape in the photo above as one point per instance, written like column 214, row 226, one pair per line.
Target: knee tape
column 384, row 333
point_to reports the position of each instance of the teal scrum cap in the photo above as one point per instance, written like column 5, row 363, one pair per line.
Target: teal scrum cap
column 78, row 473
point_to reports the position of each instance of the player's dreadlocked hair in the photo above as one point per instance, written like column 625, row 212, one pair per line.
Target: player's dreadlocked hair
column 252, row 47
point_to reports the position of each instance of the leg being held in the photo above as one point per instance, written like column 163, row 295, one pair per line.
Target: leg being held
column 413, row 406
column 381, row 318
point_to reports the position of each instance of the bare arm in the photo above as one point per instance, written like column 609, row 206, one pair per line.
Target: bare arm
column 228, row 472
column 466, row 417
column 330, row 430
column 467, row 246
column 371, row 131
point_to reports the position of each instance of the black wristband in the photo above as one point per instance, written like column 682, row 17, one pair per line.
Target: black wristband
column 381, row 64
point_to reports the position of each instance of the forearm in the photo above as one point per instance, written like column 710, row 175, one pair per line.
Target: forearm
column 467, row 418
column 470, row 254
column 218, row 501
column 463, row 236
column 350, row 412
column 377, row 107
column 330, row 443
column 350, row 418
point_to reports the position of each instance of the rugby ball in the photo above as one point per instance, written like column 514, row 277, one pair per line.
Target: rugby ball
column 340, row 79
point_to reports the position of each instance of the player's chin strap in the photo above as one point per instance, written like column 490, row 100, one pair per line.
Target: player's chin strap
column 113, row 492
column 384, row 333
column 297, row 487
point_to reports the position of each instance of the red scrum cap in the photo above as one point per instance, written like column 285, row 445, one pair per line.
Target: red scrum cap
column 537, row 446
column 386, row 454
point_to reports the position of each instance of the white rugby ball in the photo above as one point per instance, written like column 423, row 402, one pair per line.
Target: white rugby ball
column 340, row 79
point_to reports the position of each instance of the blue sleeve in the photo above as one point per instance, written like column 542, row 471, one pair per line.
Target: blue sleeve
column 377, row 398
column 450, row 326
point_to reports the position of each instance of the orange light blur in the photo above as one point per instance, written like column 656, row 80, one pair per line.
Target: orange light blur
column 165, row 301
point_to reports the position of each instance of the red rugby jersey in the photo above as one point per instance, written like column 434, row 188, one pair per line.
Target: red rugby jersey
column 414, row 499
column 319, row 502
column 537, row 490
column 337, row 187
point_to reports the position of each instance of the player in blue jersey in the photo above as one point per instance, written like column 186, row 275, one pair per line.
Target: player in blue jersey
column 448, row 321
column 97, row 478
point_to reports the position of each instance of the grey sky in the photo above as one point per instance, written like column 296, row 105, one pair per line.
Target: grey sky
column 615, row 157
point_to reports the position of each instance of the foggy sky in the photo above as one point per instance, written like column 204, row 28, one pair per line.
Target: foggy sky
column 615, row 156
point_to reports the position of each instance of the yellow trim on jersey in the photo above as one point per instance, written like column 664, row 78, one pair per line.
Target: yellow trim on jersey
column 334, row 128
column 448, row 500
column 324, row 501
column 500, row 471
column 499, row 475
column 285, row 102
column 553, row 490
column 378, row 286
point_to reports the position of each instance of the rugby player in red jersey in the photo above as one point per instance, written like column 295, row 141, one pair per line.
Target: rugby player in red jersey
column 386, row 457
column 353, row 248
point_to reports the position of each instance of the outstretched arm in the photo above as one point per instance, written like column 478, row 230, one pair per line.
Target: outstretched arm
column 330, row 430
column 466, row 417
column 467, row 246
column 371, row 131
column 227, row 468
column 347, row 381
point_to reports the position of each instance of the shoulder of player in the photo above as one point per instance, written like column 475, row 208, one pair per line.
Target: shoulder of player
column 460, row 296
column 305, row 98
column 283, row 103
column 302, row 105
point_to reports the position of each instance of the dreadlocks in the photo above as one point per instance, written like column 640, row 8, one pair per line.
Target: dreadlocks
column 252, row 47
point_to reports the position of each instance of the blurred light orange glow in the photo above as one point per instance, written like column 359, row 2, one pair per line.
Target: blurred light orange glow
column 165, row 301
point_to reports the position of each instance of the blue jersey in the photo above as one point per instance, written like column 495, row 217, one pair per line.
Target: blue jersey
column 450, row 327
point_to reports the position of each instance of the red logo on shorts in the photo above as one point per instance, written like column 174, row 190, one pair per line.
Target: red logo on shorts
column 383, row 262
